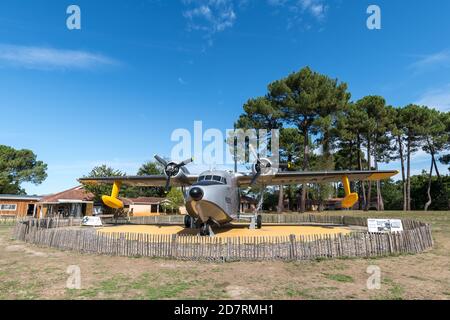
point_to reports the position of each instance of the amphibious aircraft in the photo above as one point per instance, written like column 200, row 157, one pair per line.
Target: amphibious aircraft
column 213, row 197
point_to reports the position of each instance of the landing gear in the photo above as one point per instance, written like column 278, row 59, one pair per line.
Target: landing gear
column 206, row 230
column 258, row 221
column 188, row 221
column 255, row 221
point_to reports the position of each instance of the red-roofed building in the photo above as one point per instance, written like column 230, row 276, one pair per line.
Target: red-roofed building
column 75, row 202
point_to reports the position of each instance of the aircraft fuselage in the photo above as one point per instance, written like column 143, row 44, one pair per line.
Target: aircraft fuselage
column 215, row 197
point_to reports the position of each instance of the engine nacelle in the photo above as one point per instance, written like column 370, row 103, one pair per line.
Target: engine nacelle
column 264, row 166
column 173, row 170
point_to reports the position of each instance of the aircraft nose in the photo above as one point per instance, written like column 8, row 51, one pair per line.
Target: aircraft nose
column 196, row 193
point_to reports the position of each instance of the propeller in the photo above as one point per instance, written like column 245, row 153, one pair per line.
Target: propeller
column 260, row 167
column 172, row 169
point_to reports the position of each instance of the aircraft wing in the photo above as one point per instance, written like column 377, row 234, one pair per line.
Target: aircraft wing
column 143, row 181
column 299, row 177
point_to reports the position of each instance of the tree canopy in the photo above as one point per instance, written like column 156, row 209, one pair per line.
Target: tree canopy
column 99, row 172
column 17, row 167
column 321, row 129
column 148, row 168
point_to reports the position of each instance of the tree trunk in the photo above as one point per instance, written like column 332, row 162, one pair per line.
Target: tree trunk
column 280, row 207
column 380, row 204
column 408, row 176
column 380, row 197
column 438, row 174
column 429, row 186
column 289, row 196
column 402, row 162
column 435, row 166
column 305, row 168
column 362, row 189
column 351, row 156
column 369, row 189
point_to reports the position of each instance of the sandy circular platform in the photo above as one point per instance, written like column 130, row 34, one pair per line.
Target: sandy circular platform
column 236, row 230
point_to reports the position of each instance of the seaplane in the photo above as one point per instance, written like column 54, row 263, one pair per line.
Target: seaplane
column 212, row 198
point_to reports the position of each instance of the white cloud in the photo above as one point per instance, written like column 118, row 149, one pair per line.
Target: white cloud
column 436, row 98
column 316, row 8
column 434, row 61
column 181, row 81
column 45, row 58
column 210, row 16
column 298, row 8
column 214, row 16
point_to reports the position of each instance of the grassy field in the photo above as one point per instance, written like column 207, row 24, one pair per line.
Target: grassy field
column 29, row 272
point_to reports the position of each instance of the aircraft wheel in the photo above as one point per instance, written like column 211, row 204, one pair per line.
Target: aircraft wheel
column 258, row 221
column 187, row 221
column 198, row 224
column 204, row 231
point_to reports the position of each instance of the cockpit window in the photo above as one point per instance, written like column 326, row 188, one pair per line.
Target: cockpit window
column 211, row 178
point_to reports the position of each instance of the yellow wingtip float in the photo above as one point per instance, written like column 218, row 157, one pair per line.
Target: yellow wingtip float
column 350, row 197
column 112, row 201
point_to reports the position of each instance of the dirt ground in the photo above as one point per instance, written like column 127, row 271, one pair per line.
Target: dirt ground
column 237, row 230
column 30, row 272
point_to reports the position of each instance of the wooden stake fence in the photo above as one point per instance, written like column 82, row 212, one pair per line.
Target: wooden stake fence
column 57, row 234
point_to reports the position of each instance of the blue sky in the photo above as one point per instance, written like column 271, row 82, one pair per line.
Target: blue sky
column 114, row 91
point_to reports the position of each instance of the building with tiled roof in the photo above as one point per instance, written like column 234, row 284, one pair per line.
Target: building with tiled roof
column 75, row 202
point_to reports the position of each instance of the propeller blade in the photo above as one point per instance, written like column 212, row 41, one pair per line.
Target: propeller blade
column 185, row 162
column 255, row 178
column 161, row 160
column 253, row 151
column 167, row 188
column 172, row 169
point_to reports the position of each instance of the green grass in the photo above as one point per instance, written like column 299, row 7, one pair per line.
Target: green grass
column 340, row 278
column 142, row 287
column 299, row 293
column 16, row 289
column 327, row 279
column 167, row 291
column 394, row 292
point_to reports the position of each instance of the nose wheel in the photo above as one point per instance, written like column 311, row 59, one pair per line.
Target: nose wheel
column 258, row 221
column 188, row 222
column 206, row 230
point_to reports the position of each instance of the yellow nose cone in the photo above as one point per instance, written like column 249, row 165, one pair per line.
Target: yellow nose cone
column 112, row 202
